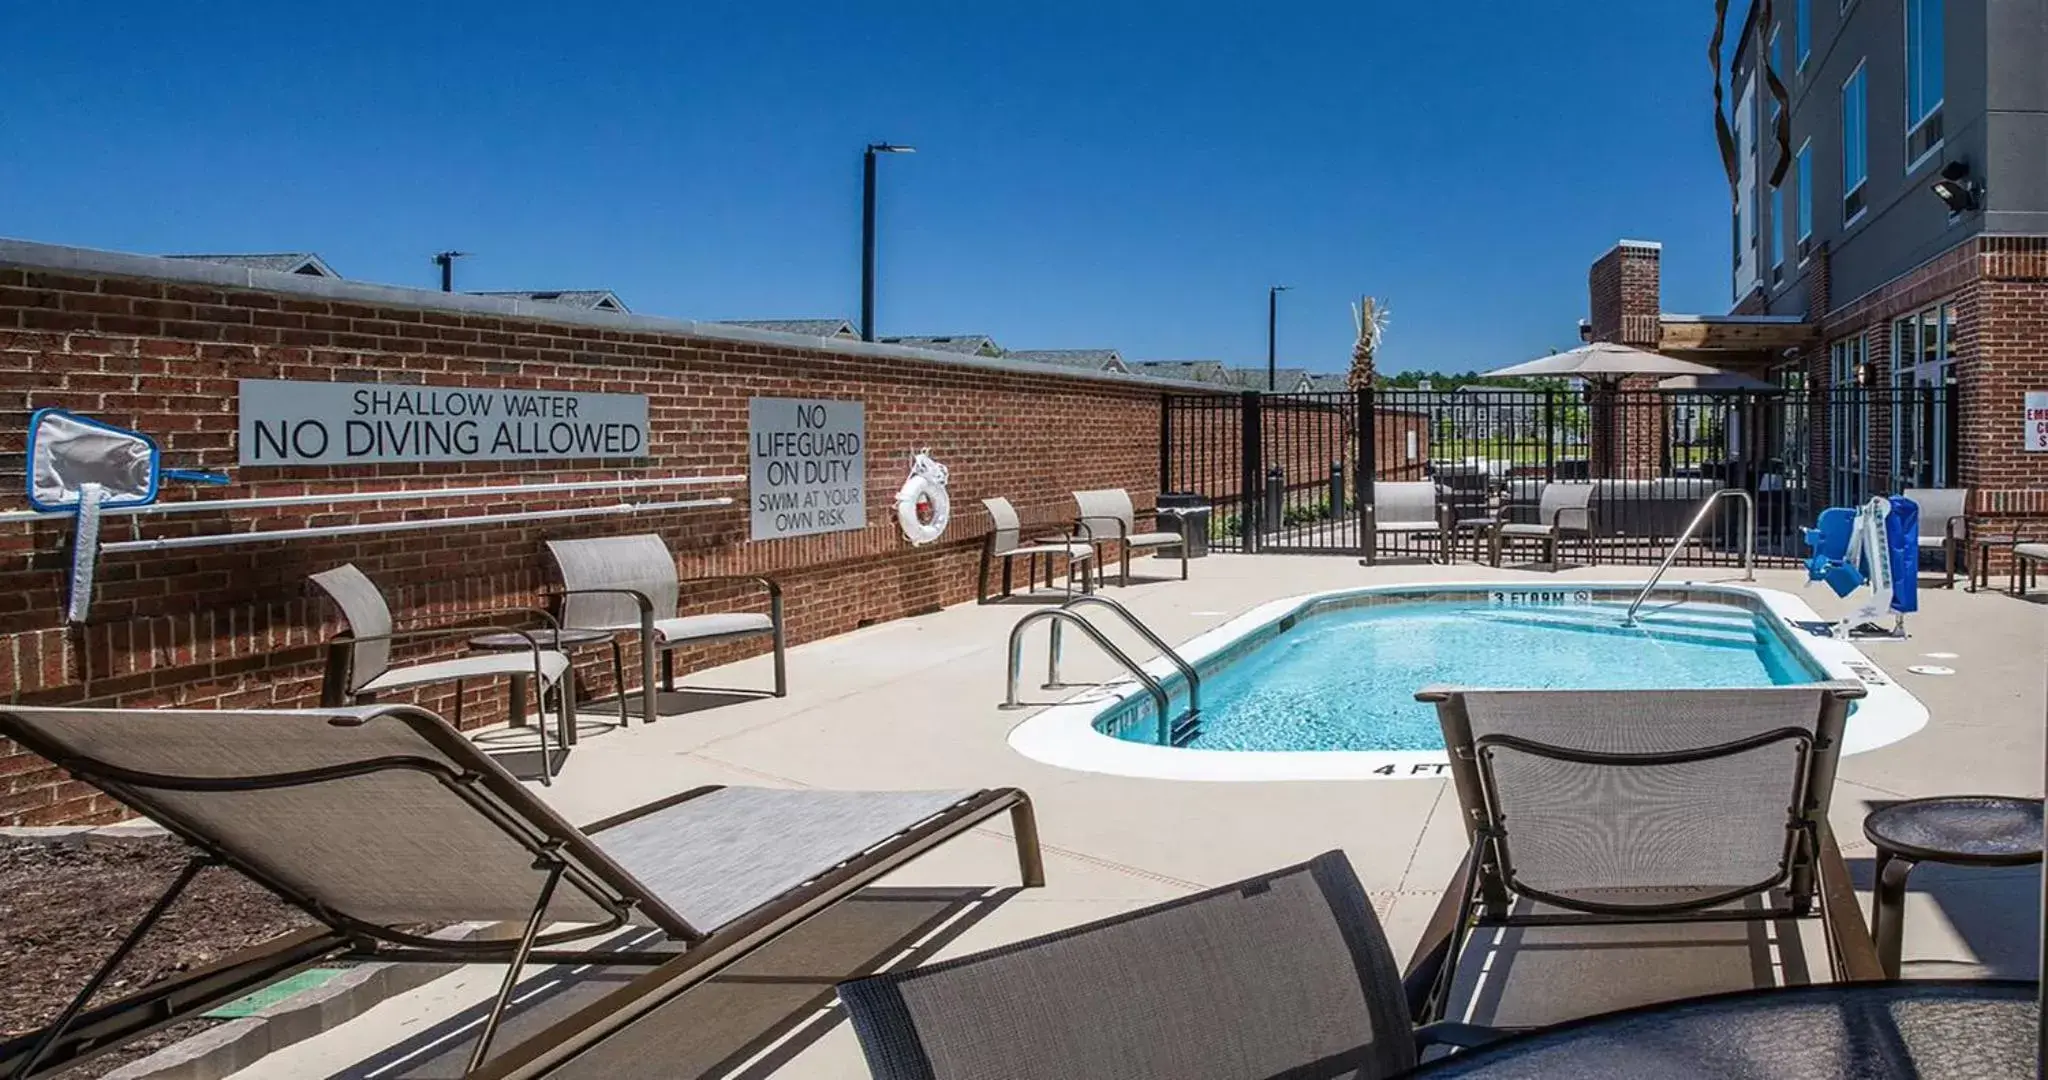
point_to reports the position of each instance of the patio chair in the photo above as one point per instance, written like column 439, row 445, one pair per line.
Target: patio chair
column 1285, row 974
column 1106, row 515
column 359, row 663
column 1944, row 523
column 630, row 583
column 1404, row 509
column 380, row 820
column 2026, row 568
column 1636, row 846
column 1562, row 510
column 1005, row 541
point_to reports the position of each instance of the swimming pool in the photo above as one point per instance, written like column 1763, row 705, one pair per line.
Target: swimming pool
column 1323, row 686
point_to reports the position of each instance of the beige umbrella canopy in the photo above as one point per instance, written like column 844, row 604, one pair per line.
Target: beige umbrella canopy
column 1719, row 381
column 1603, row 360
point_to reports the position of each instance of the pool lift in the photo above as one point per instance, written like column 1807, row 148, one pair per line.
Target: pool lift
column 1875, row 545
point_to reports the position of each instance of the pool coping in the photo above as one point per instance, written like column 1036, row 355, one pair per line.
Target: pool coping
column 1065, row 734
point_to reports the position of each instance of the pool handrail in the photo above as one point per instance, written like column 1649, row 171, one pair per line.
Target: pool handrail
column 1706, row 507
column 1062, row 615
column 1187, row 670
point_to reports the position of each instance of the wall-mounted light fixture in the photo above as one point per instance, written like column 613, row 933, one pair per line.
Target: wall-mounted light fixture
column 1955, row 188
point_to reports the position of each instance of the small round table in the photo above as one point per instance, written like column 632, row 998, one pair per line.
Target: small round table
column 1933, row 1029
column 561, row 641
column 1962, row 830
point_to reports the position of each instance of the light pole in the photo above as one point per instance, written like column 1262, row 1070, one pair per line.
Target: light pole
column 446, row 261
column 1273, row 334
column 867, row 232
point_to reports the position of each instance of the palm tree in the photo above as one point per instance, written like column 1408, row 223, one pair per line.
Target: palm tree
column 1369, row 317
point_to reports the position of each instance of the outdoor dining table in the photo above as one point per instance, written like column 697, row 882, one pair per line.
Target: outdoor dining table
column 1920, row 1029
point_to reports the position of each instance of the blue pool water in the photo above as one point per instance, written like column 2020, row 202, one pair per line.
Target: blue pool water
column 1345, row 678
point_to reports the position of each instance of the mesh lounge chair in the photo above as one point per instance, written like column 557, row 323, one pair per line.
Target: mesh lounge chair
column 1686, row 825
column 378, row 819
column 1106, row 515
column 1405, row 509
column 1562, row 510
column 629, row 583
column 1006, row 541
column 359, row 665
column 1286, row 974
column 1944, row 523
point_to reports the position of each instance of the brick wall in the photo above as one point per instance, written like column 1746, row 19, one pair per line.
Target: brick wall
column 237, row 626
column 1625, row 289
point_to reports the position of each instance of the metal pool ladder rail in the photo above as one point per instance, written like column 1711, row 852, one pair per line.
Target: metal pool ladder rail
column 1748, row 544
column 1173, row 731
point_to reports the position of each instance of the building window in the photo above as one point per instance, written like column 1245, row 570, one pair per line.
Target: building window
column 1778, row 227
column 1855, row 143
column 1805, row 182
column 1848, row 407
column 1923, row 79
column 1923, row 398
column 1802, row 31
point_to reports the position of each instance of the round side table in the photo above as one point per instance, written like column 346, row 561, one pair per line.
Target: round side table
column 1961, row 830
column 561, row 641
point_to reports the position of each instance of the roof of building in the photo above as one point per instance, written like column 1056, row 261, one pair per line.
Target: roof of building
column 304, row 263
column 1326, row 382
column 1094, row 359
column 587, row 299
column 817, row 327
column 970, row 344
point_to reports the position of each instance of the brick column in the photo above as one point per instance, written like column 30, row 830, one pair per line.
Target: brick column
column 2001, row 351
column 1625, row 300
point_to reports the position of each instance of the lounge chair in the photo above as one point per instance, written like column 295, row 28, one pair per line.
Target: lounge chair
column 1106, row 516
column 1636, row 846
column 2026, row 570
column 1405, row 509
column 1285, row 974
column 359, row 663
column 1562, row 510
column 1006, row 541
column 1944, row 523
column 630, row 583
column 378, row 820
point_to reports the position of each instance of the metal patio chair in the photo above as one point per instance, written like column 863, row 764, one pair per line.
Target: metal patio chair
column 1106, row 515
column 1404, row 509
column 630, row 583
column 1636, row 846
column 1006, row 541
column 381, row 820
column 359, row 663
column 1562, row 510
column 1285, row 974
column 1944, row 523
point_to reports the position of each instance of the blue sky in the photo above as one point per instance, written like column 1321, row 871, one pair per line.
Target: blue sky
column 1102, row 174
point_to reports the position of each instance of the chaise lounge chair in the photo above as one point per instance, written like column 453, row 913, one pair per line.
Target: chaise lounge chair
column 1106, row 516
column 1284, row 975
column 378, row 820
column 630, row 583
column 1631, row 847
column 359, row 664
column 1404, row 509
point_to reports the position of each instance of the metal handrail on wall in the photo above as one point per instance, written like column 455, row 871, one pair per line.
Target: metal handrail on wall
column 1707, row 507
column 1160, row 699
column 267, row 502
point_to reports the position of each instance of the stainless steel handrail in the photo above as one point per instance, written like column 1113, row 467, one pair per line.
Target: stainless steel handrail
column 1748, row 545
column 1187, row 670
column 1062, row 615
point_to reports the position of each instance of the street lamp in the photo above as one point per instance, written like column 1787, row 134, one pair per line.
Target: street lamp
column 1272, row 334
column 867, row 233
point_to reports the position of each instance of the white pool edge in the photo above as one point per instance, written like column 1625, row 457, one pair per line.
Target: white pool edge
column 1064, row 735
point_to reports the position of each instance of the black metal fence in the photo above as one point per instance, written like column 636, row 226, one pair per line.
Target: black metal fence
column 1288, row 472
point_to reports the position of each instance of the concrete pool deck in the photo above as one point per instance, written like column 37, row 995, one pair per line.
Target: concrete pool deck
column 915, row 704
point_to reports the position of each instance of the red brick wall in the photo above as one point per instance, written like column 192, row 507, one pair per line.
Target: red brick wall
column 1625, row 290
column 237, row 626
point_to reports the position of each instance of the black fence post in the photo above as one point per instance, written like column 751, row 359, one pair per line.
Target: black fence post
column 1367, row 426
column 1549, row 436
column 1166, row 442
column 1276, row 498
column 1252, row 470
column 1336, row 491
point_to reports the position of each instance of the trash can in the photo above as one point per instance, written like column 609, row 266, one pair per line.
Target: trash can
column 1193, row 523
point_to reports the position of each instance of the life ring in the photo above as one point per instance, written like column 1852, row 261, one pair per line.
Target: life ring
column 922, row 507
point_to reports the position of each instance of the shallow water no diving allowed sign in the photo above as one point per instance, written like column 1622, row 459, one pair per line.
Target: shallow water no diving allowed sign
column 806, row 467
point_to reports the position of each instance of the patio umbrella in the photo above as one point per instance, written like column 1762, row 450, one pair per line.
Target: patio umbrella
column 1718, row 381
column 1604, row 360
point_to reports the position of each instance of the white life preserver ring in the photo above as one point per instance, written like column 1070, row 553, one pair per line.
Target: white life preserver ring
column 922, row 507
